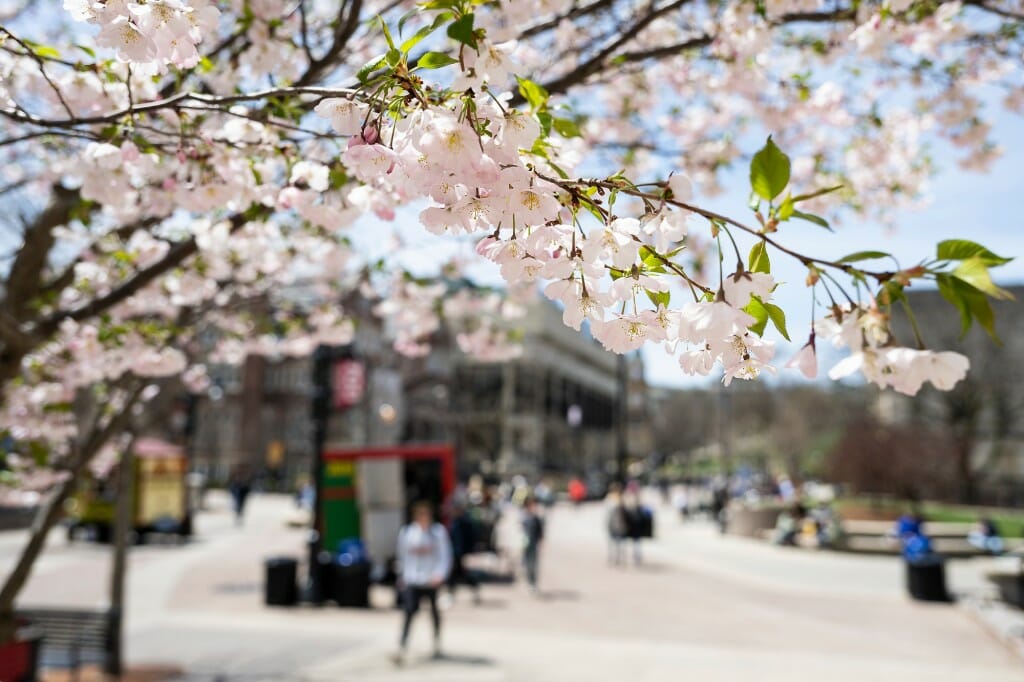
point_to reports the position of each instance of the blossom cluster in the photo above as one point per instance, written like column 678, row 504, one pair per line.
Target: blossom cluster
column 158, row 33
column 866, row 332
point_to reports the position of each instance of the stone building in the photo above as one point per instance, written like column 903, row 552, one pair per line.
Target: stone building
column 553, row 409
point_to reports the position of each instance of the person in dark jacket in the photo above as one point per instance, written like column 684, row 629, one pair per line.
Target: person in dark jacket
column 636, row 524
column 463, row 534
column 239, row 485
column 533, row 534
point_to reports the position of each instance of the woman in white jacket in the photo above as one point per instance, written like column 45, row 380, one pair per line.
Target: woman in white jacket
column 424, row 561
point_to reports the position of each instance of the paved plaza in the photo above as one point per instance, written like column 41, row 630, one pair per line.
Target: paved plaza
column 701, row 607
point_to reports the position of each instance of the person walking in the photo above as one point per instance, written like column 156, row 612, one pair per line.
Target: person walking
column 577, row 491
column 533, row 534
column 239, row 485
column 424, row 561
column 636, row 522
column 463, row 536
column 618, row 524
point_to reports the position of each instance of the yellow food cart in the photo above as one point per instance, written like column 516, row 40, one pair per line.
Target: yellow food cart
column 159, row 495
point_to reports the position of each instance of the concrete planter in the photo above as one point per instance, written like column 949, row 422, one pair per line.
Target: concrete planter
column 1011, row 587
column 751, row 522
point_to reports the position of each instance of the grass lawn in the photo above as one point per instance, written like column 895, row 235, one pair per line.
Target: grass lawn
column 1010, row 522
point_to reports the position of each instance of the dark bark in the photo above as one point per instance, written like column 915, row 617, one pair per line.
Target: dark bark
column 50, row 513
column 123, row 527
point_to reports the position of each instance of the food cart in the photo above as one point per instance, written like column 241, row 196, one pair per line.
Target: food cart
column 160, row 496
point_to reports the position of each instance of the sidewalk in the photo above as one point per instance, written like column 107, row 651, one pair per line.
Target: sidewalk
column 717, row 608
column 702, row 607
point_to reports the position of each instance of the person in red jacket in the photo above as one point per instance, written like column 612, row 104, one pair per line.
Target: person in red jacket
column 577, row 490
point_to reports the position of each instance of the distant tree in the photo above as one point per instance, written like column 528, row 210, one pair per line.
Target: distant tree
column 901, row 460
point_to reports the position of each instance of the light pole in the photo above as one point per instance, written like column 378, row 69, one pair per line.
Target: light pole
column 324, row 359
column 621, row 419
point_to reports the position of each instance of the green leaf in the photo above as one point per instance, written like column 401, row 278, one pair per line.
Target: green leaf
column 756, row 309
column 659, row 298
column 811, row 218
column 415, row 39
column 862, row 255
column 651, row 260
column 373, row 65
column 546, row 120
column 972, row 304
column 435, row 60
column 962, row 249
column 534, row 94
column 769, row 171
column 786, row 208
column 778, row 318
column 45, row 51
column 817, row 193
column 393, row 57
column 566, row 127
column 387, row 33
column 974, row 271
column 461, row 30
column 758, row 260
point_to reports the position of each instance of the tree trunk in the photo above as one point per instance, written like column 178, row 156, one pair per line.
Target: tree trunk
column 46, row 518
column 123, row 527
column 967, row 490
column 50, row 512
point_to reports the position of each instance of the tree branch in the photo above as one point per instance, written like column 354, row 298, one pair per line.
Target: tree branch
column 177, row 255
column 575, row 13
column 173, row 102
column 999, row 11
column 593, row 65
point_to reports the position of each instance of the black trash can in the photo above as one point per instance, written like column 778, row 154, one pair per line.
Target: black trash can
column 926, row 579
column 351, row 585
column 280, row 588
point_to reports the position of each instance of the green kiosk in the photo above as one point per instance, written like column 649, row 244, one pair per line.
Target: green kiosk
column 363, row 501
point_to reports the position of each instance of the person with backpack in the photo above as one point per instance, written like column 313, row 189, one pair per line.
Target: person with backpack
column 424, row 561
column 636, row 523
column 618, row 524
column 533, row 534
column 463, row 536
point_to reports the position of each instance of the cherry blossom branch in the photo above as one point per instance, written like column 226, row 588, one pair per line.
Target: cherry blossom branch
column 713, row 216
column 174, row 257
column 31, row 54
column 175, row 101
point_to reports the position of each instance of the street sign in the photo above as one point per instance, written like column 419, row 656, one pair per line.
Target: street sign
column 349, row 382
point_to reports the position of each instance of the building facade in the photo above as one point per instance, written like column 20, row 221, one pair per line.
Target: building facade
column 551, row 410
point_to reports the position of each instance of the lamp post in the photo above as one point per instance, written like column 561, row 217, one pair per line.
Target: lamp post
column 621, row 419
column 574, row 418
column 324, row 360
